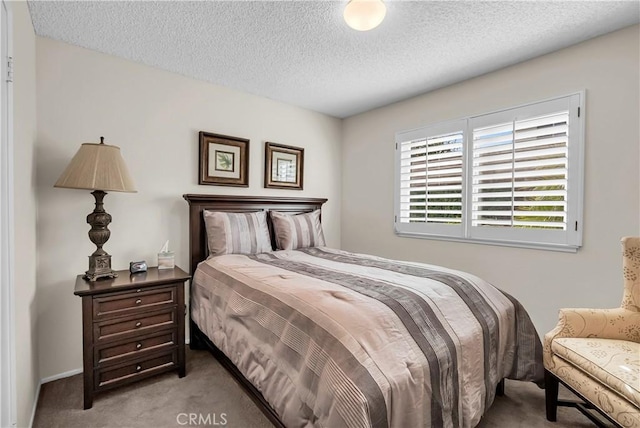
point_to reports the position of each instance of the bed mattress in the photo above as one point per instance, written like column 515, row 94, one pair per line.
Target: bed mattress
column 334, row 339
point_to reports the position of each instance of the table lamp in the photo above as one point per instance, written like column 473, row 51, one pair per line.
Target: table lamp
column 98, row 167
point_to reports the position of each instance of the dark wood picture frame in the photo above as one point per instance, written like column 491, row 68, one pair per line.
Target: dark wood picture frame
column 218, row 163
column 283, row 166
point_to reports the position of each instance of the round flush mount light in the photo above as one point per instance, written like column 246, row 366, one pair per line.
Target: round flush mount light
column 364, row 15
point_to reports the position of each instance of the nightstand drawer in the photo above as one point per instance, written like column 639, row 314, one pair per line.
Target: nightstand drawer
column 133, row 325
column 125, row 303
column 125, row 373
column 112, row 353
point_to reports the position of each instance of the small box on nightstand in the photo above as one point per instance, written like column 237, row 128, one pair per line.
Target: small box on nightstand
column 166, row 260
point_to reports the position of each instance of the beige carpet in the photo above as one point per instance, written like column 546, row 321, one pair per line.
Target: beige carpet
column 209, row 391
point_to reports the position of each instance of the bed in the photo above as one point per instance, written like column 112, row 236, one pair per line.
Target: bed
column 323, row 337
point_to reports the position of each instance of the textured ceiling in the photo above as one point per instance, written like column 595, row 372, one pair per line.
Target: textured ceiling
column 302, row 52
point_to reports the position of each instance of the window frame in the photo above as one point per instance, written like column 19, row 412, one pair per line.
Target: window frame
column 431, row 229
column 568, row 240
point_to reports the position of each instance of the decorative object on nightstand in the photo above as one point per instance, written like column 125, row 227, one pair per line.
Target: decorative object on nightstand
column 98, row 167
column 132, row 328
column 137, row 267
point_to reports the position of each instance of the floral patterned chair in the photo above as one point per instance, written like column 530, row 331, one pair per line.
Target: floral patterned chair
column 595, row 353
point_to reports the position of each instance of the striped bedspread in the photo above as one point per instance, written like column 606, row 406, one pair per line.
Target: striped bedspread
column 335, row 339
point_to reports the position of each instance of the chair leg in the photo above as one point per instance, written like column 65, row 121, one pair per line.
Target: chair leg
column 551, row 395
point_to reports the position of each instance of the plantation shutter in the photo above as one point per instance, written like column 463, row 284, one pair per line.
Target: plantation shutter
column 413, row 184
column 512, row 177
column 520, row 173
column 430, row 180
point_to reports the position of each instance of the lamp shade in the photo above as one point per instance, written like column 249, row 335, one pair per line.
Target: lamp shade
column 364, row 15
column 97, row 167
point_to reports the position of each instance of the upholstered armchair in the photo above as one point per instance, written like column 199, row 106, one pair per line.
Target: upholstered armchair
column 595, row 353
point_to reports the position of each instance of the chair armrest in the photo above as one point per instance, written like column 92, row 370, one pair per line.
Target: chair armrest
column 616, row 323
column 619, row 323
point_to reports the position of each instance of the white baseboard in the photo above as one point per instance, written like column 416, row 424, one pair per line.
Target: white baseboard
column 47, row 380
column 35, row 405
column 61, row 376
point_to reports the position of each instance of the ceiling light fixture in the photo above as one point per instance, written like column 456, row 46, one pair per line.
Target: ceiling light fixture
column 364, row 15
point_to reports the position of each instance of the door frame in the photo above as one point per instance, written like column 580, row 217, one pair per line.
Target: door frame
column 8, row 392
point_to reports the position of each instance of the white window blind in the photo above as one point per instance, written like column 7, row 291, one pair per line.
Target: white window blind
column 431, row 180
column 512, row 177
column 520, row 173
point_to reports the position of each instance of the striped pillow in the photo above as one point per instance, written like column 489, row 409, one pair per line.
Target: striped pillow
column 237, row 233
column 297, row 231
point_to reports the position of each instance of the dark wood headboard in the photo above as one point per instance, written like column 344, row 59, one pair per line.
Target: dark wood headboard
column 198, row 250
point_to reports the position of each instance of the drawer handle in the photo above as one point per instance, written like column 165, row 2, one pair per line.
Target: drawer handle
column 138, row 301
column 138, row 324
column 138, row 290
column 138, row 368
column 139, row 345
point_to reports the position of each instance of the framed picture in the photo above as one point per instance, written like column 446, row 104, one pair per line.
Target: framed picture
column 283, row 166
column 224, row 160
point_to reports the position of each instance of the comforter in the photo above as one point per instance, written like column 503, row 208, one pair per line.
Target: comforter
column 335, row 339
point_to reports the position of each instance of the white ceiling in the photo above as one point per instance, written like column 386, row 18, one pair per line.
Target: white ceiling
column 302, row 52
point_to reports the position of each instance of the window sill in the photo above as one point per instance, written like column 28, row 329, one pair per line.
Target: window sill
column 528, row 245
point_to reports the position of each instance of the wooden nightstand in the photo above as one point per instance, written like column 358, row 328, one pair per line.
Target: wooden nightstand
column 132, row 327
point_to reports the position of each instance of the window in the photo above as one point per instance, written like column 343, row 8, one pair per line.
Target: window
column 512, row 177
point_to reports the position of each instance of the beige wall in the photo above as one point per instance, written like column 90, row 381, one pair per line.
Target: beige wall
column 24, row 136
column 154, row 116
column 608, row 68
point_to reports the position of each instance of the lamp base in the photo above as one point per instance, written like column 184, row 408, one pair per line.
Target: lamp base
column 99, row 267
